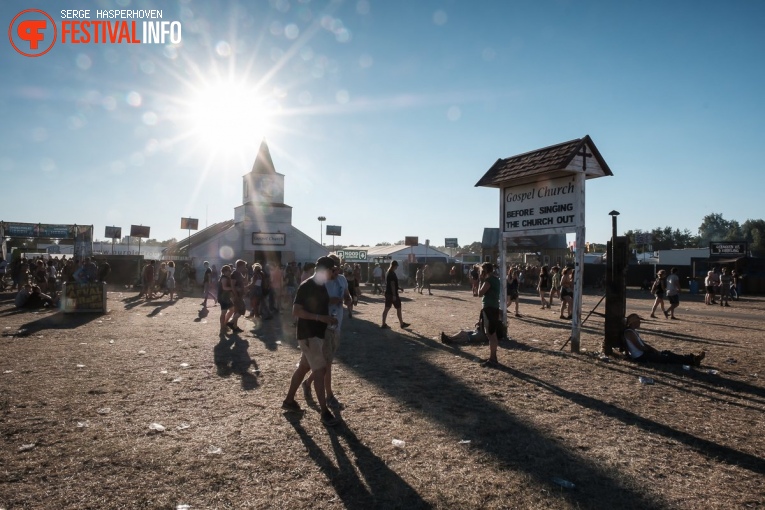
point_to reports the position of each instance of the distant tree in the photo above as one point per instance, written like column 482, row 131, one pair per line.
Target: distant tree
column 397, row 243
column 715, row 228
column 384, row 243
column 475, row 247
column 664, row 239
column 753, row 232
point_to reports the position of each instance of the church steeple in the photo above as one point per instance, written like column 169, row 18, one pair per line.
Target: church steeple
column 263, row 184
column 263, row 163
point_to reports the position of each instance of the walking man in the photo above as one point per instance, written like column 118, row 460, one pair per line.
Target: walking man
column 673, row 292
column 311, row 310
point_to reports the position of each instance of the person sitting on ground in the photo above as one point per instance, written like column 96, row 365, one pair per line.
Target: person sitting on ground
column 23, row 296
column 639, row 351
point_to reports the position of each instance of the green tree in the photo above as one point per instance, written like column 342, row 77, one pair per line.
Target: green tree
column 714, row 228
column 753, row 232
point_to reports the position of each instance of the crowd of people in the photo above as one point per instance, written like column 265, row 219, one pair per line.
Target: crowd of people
column 318, row 294
column 39, row 281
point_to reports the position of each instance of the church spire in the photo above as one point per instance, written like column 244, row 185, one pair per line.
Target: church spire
column 263, row 163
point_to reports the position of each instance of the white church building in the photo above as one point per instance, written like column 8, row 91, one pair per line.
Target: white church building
column 261, row 230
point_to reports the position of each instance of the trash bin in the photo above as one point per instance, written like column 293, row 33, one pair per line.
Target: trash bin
column 694, row 286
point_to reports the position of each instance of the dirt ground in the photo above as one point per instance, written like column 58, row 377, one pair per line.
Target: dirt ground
column 79, row 395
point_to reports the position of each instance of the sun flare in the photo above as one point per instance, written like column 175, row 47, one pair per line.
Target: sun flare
column 229, row 116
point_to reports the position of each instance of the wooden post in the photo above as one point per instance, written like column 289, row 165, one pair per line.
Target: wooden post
column 576, row 320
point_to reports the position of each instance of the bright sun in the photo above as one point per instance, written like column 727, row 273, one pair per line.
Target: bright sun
column 228, row 116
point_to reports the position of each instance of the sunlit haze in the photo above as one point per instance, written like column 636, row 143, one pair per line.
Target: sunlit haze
column 383, row 115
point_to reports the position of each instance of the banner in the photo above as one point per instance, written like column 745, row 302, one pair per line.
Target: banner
column 451, row 242
column 333, row 230
column 40, row 230
column 411, row 241
column 83, row 297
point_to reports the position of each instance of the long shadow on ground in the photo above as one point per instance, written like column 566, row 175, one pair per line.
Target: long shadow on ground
column 409, row 378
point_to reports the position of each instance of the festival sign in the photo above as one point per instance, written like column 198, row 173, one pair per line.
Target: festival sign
column 83, row 297
column 269, row 239
column 334, row 230
column 139, row 231
column 549, row 204
column 189, row 223
column 411, row 241
column 727, row 249
column 451, row 242
column 40, row 230
column 113, row 233
column 352, row 255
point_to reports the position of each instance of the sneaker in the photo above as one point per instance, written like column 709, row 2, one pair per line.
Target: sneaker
column 328, row 419
column 405, row 325
column 490, row 363
column 384, row 326
column 293, row 406
column 230, row 325
column 236, row 329
column 698, row 359
column 306, row 390
column 666, row 314
column 445, row 339
column 333, row 402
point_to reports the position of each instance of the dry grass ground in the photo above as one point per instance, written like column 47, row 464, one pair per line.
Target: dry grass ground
column 84, row 389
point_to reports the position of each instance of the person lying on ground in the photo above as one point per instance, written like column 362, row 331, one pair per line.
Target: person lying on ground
column 466, row 337
column 638, row 350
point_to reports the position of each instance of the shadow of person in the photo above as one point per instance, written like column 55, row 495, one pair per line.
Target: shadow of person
column 386, row 488
column 223, row 355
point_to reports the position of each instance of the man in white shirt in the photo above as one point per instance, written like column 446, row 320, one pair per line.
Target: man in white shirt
column 673, row 292
column 641, row 352
column 377, row 274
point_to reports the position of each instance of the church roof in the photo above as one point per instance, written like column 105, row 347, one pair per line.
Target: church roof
column 263, row 163
column 549, row 160
column 181, row 247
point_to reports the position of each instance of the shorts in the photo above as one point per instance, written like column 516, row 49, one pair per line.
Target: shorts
column 256, row 291
column 239, row 306
column 490, row 316
column 170, row 284
column 513, row 296
column 674, row 300
column 394, row 301
column 565, row 293
column 330, row 344
column 710, row 289
column 312, row 352
column 225, row 304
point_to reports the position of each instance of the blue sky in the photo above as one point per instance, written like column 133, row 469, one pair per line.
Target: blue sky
column 383, row 115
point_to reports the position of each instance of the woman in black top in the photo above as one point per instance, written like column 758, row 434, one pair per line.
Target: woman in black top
column 544, row 282
column 658, row 290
